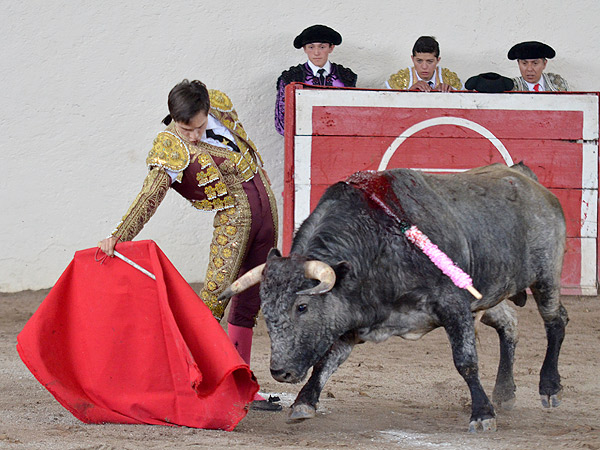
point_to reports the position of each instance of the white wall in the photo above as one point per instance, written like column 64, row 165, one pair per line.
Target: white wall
column 84, row 87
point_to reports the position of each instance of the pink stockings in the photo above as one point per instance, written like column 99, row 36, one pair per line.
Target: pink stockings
column 241, row 338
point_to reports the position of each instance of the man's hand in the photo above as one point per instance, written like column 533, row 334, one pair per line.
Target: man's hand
column 443, row 87
column 420, row 85
column 108, row 245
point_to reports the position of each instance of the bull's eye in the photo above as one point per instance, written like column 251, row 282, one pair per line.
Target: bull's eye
column 302, row 308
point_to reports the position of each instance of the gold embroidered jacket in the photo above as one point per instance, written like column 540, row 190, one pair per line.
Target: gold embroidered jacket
column 405, row 78
column 169, row 151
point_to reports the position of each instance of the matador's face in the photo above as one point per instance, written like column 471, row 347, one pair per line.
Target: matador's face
column 425, row 64
column 318, row 52
column 531, row 69
column 193, row 131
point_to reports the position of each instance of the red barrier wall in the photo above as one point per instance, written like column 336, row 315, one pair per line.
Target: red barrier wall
column 334, row 132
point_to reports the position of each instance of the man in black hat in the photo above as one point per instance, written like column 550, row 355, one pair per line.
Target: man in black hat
column 318, row 41
column 532, row 57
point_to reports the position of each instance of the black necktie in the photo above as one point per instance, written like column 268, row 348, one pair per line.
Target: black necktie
column 217, row 137
column 321, row 76
column 431, row 84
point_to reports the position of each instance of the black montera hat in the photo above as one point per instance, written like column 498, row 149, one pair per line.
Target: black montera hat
column 489, row 82
column 531, row 50
column 318, row 33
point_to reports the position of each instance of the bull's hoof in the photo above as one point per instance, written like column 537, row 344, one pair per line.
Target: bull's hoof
column 551, row 401
column 506, row 405
column 301, row 412
column 504, row 399
column 481, row 425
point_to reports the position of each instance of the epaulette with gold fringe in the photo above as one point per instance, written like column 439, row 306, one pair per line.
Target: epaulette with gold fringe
column 169, row 151
column 221, row 107
column 451, row 78
column 400, row 79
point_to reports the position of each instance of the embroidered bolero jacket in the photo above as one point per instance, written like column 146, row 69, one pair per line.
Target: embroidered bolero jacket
column 215, row 169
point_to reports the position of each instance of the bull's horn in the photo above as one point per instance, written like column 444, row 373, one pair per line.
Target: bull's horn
column 318, row 270
column 247, row 280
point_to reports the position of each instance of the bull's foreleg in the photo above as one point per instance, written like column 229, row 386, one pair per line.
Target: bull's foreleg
column 503, row 319
column 305, row 405
column 458, row 323
column 555, row 320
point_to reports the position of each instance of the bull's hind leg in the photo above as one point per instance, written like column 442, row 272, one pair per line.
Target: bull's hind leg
column 458, row 322
column 503, row 319
column 305, row 405
column 547, row 296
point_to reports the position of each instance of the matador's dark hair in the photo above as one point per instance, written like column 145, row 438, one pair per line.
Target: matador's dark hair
column 426, row 44
column 187, row 99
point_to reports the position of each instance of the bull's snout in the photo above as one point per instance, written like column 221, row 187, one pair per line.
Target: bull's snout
column 284, row 376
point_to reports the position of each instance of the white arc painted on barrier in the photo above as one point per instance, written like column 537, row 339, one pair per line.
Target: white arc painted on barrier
column 444, row 121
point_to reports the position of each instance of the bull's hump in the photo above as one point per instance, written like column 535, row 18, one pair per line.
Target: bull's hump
column 378, row 189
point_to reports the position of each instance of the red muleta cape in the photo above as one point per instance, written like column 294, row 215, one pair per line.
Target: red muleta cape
column 113, row 345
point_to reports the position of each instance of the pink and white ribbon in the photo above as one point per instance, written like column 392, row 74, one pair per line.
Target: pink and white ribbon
column 441, row 260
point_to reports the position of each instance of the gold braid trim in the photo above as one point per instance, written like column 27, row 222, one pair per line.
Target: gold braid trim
column 220, row 101
column 451, row 78
column 230, row 240
column 400, row 79
column 221, row 108
column 153, row 192
column 216, row 189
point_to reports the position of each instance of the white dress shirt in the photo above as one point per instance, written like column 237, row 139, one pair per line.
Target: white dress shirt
column 218, row 128
column 531, row 85
column 315, row 69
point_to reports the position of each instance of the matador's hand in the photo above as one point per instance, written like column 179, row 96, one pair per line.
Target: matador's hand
column 444, row 87
column 108, row 245
column 420, row 85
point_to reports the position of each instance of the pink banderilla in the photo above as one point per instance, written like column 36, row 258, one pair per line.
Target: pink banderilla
column 441, row 260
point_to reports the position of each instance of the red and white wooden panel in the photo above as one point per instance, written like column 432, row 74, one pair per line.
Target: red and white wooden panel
column 332, row 133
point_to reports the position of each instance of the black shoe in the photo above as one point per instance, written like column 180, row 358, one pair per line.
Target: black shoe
column 266, row 405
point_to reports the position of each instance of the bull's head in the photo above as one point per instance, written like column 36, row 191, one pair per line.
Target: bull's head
column 304, row 317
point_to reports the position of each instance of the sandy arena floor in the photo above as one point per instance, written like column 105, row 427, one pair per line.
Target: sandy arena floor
column 398, row 394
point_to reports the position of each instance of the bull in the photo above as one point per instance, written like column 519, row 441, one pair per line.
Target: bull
column 352, row 276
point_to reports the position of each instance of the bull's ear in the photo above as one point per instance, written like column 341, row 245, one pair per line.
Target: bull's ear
column 274, row 253
column 341, row 269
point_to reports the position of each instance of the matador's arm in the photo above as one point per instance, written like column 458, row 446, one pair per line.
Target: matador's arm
column 153, row 192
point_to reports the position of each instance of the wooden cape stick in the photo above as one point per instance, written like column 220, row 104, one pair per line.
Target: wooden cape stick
column 133, row 264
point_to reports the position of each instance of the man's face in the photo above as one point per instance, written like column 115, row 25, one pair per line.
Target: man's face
column 531, row 69
column 318, row 52
column 425, row 64
column 193, row 131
